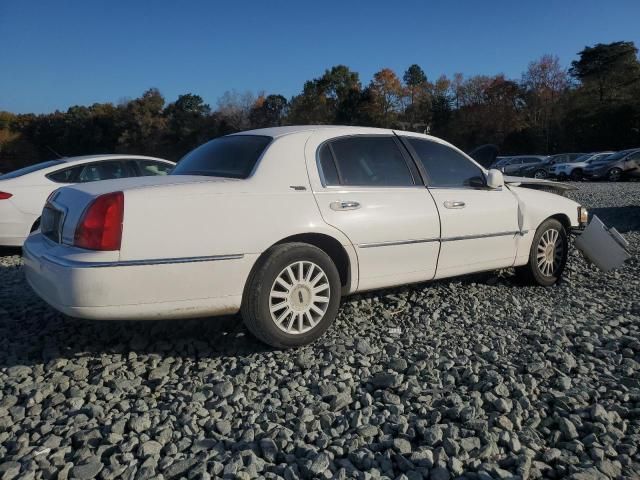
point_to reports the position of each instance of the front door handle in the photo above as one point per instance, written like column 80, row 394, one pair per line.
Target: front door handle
column 344, row 205
column 453, row 204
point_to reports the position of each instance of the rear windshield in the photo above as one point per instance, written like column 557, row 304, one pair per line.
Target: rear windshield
column 30, row 169
column 234, row 156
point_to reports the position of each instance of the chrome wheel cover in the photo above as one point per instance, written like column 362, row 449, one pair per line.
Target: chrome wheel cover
column 549, row 253
column 299, row 297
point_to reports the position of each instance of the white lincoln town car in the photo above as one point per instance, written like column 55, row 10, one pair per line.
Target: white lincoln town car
column 279, row 223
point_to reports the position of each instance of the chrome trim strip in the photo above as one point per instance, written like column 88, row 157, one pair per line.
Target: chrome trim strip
column 397, row 242
column 446, row 239
column 482, row 235
column 64, row 262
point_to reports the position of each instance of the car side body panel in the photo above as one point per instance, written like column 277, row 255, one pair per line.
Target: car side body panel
column 394, row 230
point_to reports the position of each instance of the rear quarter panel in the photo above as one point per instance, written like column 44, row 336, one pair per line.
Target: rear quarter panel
column 226, row 218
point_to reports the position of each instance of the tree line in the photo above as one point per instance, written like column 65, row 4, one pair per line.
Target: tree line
column 592, row 105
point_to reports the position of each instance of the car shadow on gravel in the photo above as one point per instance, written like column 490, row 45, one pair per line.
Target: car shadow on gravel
column 624, row 219
column 51, row 336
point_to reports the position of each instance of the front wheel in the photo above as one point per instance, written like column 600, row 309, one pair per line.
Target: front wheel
column 614, row 175
column 576, row 175
column 540, row 174
column 548, row 255
column 292, row 296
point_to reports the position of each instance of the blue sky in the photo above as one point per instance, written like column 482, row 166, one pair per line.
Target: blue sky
column 56, row 54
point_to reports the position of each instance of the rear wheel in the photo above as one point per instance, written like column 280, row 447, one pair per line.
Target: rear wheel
column 614, row 175
column 292, row 296
column 540, row 174
column 548, row 255
column 576, row 174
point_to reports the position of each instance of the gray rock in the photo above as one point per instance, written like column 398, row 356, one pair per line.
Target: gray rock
column 149, row 448
column 223, row 389
column 90, row 468
column 179, row 468
column 567, row 428
column 402, row 445
column 320, row 464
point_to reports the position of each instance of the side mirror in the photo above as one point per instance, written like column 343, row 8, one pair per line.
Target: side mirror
column 495, row 179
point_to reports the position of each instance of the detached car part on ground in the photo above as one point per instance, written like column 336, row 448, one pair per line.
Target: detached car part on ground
column 280, row 223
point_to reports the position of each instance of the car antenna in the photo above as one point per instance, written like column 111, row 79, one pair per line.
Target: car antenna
column 54, row 152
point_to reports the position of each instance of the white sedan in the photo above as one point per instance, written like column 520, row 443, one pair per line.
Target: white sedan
column 24, row 192
column 280, row 223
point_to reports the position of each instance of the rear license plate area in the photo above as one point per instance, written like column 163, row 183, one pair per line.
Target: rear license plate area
column 51, row 223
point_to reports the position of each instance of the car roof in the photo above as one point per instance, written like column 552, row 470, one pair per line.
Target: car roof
column 292, row 129
column 112, row 156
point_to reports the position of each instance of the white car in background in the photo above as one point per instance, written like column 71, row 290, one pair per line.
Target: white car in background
column 279, row 223
column 575, row 169
column 24, row 192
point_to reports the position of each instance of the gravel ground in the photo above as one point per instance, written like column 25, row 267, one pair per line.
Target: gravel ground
column 475, row 377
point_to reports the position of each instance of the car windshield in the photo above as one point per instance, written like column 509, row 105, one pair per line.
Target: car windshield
column 30, row 169
column 233, row 156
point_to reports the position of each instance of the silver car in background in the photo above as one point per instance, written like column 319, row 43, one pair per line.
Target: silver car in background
column 575, row 169
column 518, row 164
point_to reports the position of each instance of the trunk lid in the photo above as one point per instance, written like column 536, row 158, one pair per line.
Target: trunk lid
column 65, row 206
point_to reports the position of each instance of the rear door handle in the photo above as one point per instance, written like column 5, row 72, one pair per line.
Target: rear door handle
column 453, row 204
column 344, row 205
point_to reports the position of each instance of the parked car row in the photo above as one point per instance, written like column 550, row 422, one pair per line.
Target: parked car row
column 609, row 165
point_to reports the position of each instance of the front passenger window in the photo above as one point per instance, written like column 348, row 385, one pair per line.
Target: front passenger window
column 445, row 166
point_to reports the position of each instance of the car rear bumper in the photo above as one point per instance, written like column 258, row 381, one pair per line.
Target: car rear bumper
column 100, row 289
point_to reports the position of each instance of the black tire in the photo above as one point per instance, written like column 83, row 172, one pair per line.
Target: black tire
column 256, row 302
column 35, row 226
column 540, row 174
column 576, row 175
column 614, row 175
column 532, row 273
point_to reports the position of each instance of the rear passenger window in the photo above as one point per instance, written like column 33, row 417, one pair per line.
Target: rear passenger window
column 328, row 166
column 365, row 161
column 69, row 175
column 445, row 167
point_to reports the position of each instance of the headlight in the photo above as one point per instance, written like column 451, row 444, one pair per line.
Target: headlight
column 583, row 216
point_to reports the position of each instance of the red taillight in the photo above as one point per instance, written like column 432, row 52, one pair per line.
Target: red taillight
column 100, row 227
column 5, row 195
